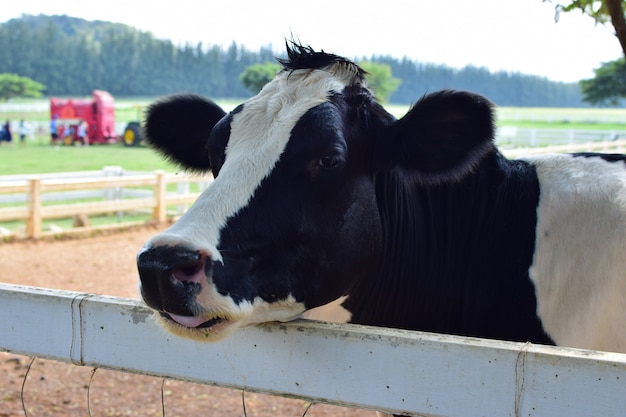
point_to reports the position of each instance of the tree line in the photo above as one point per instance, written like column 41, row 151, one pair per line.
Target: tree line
column 502, row 87
column 72, row 56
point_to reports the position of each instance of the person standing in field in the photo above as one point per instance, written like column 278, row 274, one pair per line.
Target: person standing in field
column 6, row 132
column 68, row 134
column 23, row 131
column 81, row 132
column 54, row 130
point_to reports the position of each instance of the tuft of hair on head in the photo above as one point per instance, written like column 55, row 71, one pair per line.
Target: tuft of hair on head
column 304, row 57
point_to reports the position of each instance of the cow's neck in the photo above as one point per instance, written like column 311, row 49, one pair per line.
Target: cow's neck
column 454, row 256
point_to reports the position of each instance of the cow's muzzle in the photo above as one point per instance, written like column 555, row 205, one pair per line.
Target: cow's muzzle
column 171, row 278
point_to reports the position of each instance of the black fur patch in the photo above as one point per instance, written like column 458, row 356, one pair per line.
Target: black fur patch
column 304, row 57
column 456, row 256
column 609, row 157
column 178, row 126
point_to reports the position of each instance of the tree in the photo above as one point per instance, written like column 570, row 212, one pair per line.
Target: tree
column 379, row 78
column 602, row 11
column 13, row 85
column 256, row 76
column 608, row 85
column 71, row 57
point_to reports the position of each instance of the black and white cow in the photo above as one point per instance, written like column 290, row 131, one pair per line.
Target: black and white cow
column 417, row 223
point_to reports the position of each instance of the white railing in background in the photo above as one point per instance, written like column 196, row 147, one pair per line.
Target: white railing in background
column 389, row 370
column 616, row 115
column 510, row 136
column 611, row 146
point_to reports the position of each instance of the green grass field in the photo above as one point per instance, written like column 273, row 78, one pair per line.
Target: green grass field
column 39, row 157
column 551, row 118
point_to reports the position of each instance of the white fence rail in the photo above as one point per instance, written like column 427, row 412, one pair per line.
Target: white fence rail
column 374, row 368
column 612, row 146
column 531, row 137
column 588, row 115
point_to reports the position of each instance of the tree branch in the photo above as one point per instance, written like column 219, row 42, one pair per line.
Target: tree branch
column 614, row 7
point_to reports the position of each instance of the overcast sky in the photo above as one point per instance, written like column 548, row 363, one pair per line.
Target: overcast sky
column 511, row 35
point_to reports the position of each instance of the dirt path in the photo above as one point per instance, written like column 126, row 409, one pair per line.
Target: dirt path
column 106, row 265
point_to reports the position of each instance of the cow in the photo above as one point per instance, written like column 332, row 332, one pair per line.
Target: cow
column 415, row 223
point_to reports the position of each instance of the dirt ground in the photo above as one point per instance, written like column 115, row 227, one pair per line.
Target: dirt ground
column 105, row 264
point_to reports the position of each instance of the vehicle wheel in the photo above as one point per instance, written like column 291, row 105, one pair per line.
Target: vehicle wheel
column 132, row 134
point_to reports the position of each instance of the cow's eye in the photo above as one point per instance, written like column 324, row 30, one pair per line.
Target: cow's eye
column 329, row 161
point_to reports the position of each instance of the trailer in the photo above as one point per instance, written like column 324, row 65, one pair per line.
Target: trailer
column 98, row 113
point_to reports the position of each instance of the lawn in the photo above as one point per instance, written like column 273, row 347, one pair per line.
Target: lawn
column 564, row 124
column 39, row 157
column 550, row 118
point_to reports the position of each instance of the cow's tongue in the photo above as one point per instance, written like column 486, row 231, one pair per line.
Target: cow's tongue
column 188, row 321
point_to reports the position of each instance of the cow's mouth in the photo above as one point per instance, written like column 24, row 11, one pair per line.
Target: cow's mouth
column 202, row 328
column 195, row 322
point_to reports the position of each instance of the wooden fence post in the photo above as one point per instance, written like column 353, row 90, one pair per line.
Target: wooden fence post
column 160, row 194
column 33, row 224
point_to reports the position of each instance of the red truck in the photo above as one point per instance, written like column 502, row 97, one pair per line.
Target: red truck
column 99, row 114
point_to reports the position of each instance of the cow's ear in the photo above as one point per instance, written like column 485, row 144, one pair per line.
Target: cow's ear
column 178, row 126
column 443, row 136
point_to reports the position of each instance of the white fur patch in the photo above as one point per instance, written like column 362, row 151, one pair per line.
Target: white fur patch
column 333, row 312
column 259, row 135
column 235, row 316
column 579, row 269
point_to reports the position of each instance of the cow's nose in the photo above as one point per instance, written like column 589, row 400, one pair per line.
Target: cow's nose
column 170, row 276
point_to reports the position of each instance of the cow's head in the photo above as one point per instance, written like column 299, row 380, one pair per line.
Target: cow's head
column 291, row 221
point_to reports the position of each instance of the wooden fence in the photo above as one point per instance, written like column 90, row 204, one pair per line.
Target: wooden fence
column 36, row 188
column 394, row 371
column 156, row 198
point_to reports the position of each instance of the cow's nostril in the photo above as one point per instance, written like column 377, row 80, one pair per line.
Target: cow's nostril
column 190, row 273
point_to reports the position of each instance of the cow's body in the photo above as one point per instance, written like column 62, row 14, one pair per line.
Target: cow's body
column 418, row 223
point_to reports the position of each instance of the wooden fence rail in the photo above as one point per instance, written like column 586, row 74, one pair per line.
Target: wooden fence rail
column 395, row 371
column 34, row 212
